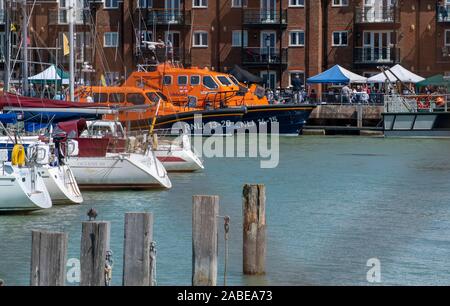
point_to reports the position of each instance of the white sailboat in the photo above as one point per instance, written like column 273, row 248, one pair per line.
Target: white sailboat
column 58, row 178
column 103, row 163
column 21, row 188
column 178, row 156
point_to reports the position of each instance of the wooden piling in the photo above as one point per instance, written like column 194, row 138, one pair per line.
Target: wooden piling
column 48, row 258
column 254, row 229
column 204, row 240
column 137, row 268
column 94, row 244
column 359, row 115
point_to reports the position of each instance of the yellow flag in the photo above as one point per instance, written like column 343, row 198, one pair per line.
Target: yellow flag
column 103, row 80
column 13, row 27
column 66, row 45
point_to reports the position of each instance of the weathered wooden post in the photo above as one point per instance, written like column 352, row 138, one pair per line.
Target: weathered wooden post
column 359, row 115
column 254, row 229
column 48, row 258
column 94, row 245
column 205, row 210
column 138, row 236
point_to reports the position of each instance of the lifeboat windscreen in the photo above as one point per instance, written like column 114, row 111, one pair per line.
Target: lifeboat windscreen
column 224, row 80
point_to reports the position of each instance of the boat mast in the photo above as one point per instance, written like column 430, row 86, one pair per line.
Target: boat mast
column 7, row 49
column 24, row 47
column 71, row 51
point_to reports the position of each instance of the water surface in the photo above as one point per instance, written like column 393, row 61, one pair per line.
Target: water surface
column 332, row 204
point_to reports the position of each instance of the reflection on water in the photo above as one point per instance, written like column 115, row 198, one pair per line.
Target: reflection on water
column 332, row 204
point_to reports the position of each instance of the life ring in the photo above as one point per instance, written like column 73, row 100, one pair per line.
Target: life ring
column 423, row 104
column 18, row 156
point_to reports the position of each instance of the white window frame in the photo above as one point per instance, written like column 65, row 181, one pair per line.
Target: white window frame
column 104, row 40
column 148, row 2
column 340, row 39
column 446, row 43
column 296, row 4
column 203, row 4
column 295, row 72
column 195, row 44
column 340, row 3
column 245, row 38
column 110, row 7
column 298, row 36
column 238, row 3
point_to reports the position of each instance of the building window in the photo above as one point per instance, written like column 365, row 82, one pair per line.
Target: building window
column 200, row 39
column 110, row 39
column 238, row 3
column 199, row 3
column 447, row 38
column 340, row 3
column 340, row 39
column 111, row 4
column 293, row 75
column 144, row 36
column 144, row 3
column 237, row 38
column 296, row 38
column 296, row 3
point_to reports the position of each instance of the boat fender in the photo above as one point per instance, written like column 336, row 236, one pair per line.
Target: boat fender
column 154, row 141
column 18, row 155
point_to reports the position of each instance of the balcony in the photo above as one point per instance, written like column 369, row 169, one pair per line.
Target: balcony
column 257, row 17
column 61, row 16
column 264, row 56
column 168, row 17
column 371, row 55
column 442, row 13
column 368, row 15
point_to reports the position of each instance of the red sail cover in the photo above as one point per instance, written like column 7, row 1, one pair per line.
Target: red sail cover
column 7, row 99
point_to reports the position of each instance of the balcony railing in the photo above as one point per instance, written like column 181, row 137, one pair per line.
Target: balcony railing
column 166, row 17
column 442, row 13
column 261, row 17
column 387, row 14
column 265, row 56
column 371, row 55
column 61, row 16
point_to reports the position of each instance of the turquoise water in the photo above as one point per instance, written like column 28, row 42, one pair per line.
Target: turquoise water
column 332, row 204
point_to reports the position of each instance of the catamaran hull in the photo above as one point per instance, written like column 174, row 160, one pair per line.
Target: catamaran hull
column 417, row 124
column 61, row 185
column 119, row 171
column 16, row 193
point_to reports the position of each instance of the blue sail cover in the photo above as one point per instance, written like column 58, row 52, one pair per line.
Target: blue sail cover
column 56, row 117
column 8, row 118
column 336, row 75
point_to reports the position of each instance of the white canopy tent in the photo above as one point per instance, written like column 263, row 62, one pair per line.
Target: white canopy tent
column 402, row 73
column 50, row 75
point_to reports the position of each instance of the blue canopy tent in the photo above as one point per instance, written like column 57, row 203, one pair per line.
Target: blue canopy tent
column 336, row 75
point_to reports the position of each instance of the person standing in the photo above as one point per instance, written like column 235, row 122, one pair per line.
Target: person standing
column 346, row 93
column 297, row 86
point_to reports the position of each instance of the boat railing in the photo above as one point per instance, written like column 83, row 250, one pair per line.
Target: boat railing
column 416, row 103
column 219, row 99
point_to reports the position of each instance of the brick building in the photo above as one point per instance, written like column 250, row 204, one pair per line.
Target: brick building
column 274, row 38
